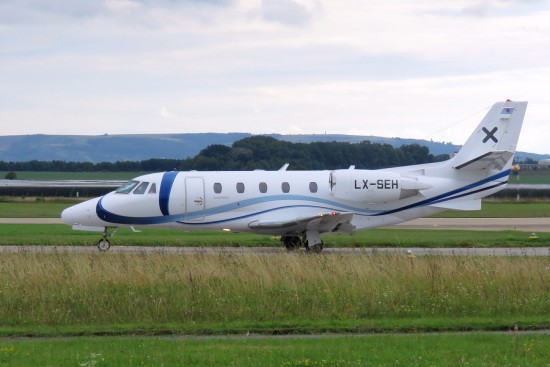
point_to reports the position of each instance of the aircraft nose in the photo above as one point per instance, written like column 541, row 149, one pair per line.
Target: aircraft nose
column 80, row 214
column 68, row 215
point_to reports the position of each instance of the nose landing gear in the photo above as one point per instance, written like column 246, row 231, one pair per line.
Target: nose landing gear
column 104, row 244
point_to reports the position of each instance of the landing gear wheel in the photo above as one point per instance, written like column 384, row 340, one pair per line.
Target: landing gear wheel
column 291, row 242
column 317, row 248
column 103, row 244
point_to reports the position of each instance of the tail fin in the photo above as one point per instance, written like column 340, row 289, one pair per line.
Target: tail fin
column 493, row 143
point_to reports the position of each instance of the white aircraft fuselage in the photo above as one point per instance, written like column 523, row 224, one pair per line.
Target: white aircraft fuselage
column 301, row 205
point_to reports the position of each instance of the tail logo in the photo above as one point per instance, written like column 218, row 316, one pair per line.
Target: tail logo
column 490, row 135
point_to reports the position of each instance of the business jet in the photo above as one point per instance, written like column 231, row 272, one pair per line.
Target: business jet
column 299, row 206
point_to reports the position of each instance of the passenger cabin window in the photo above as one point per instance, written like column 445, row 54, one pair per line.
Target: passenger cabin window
column 285, row 187
column 140, row 190
column 263, row 187
column 127, row 187
column 153, row 189
column 313, row 187
column 240, row 187
column 218, row 188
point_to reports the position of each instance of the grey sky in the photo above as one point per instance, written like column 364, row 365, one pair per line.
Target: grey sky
column 419, row 69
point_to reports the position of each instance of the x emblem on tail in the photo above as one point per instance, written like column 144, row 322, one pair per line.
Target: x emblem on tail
column 490, row 135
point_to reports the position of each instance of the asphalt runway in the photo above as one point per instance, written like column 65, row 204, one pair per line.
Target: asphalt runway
column 480, row 224
column 416, row 251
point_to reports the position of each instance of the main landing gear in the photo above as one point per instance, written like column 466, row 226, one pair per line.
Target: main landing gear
column 292, row 243
column 104, row 244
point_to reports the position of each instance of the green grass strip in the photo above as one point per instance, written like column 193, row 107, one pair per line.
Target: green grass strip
column 63, row 235
column 476, row 349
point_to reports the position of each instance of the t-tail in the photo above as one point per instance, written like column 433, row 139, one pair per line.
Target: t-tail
column 482, row 165
column 492, row 146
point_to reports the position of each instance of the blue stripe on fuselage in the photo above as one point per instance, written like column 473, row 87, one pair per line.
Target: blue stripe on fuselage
column 164, row 192
column 107, row 216
column 454, row 194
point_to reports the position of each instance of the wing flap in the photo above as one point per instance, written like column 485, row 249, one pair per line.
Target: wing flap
column 331, row 222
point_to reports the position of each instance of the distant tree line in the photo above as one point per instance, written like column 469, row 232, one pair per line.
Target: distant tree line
column 257, row 152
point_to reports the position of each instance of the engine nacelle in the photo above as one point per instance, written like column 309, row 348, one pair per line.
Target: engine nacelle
column 372, row 186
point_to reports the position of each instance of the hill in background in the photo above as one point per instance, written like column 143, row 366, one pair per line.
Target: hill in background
column 112, row 148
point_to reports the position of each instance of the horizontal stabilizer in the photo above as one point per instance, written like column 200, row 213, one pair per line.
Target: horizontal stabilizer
column 490, row 160
column 474, row 204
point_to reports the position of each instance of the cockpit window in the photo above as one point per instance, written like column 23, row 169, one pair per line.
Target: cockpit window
column 127, row 187
column 153, row 189
column 141, row 188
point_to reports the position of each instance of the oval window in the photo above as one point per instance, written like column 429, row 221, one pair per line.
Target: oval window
column 313, row 187
column 285, row 187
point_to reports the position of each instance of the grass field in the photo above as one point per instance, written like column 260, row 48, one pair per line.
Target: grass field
column 102, row 293
column 535, row 177
column 31, row 208
column 60, row 234
column 497, row 350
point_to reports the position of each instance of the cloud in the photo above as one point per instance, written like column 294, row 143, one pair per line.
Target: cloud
column 266, row 65
column 287, row 12
column 488, row 8
column 38, row 12
column 165, row 113
column 42, row 12
column 122, row 5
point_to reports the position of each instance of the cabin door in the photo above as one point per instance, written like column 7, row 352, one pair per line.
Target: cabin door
column 194, row 199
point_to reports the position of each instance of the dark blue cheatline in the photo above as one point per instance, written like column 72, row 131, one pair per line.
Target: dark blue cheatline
column 164, row 192
column 107, row 216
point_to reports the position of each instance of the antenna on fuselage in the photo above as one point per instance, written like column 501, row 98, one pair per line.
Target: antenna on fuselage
column 283, row 168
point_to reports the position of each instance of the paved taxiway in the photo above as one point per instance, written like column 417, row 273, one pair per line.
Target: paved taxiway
column 417, row 251
column 480, row 224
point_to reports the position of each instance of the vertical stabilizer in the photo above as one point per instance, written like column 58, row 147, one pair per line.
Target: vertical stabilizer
column 493, row 143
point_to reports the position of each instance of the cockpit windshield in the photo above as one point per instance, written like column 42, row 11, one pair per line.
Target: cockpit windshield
column 127, row 187
column 141, row 188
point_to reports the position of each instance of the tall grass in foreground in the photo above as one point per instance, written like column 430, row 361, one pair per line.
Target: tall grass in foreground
column 89, row 289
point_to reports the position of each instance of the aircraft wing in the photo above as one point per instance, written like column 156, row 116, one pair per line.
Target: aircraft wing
column 330, row 222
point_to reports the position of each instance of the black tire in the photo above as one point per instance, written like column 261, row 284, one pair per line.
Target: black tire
column 317, row 248
column 103, row 244
column 292, row 243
